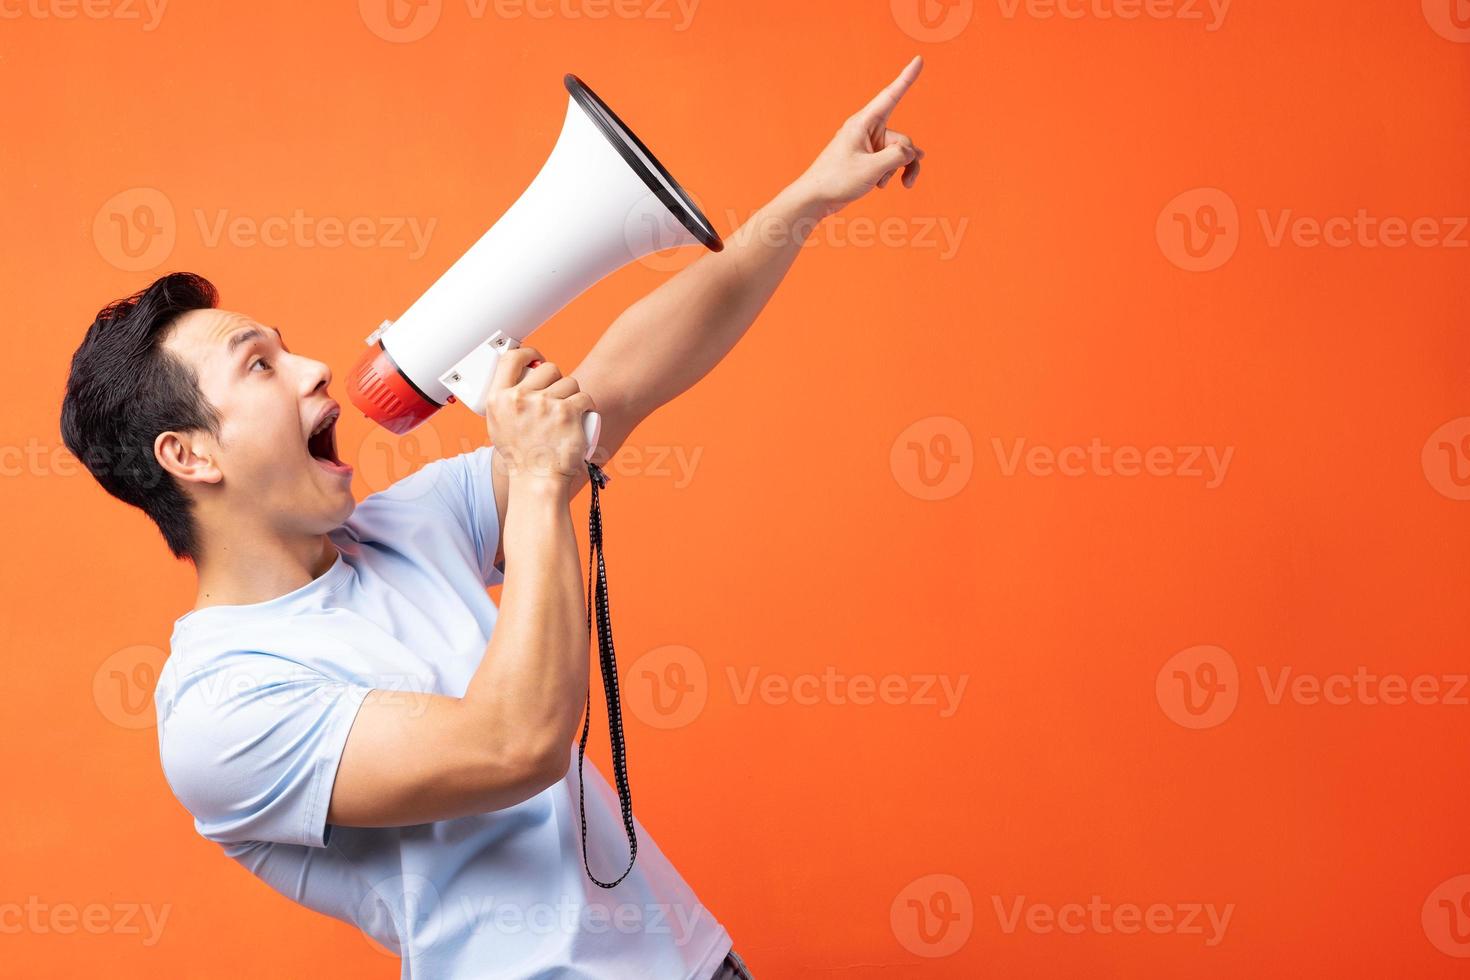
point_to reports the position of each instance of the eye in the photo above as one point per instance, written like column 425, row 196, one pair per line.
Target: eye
column 259, row 362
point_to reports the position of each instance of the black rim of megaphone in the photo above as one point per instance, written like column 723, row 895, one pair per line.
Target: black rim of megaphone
column 681, row 206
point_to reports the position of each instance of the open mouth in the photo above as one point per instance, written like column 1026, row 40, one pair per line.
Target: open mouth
column 322, row 443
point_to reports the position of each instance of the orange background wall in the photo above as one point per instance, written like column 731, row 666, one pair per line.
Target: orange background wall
column 837, row 838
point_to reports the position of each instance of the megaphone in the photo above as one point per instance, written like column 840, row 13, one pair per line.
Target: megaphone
column 601, row 200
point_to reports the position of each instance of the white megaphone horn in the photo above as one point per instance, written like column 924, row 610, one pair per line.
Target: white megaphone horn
column 600, row 201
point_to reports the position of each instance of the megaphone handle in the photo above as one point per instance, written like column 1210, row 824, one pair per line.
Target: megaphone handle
column 469, row 381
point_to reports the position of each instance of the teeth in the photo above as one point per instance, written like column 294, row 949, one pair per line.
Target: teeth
column 325, row 424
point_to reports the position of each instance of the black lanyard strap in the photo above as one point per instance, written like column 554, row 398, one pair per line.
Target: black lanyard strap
column 597, row 589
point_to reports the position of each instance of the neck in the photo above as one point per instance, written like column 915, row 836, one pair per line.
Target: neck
column 240, row 566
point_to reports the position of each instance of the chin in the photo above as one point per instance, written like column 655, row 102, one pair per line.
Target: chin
column 326, row 509
column 344, row 509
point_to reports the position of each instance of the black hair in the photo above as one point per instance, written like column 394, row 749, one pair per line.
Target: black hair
column 125, row 388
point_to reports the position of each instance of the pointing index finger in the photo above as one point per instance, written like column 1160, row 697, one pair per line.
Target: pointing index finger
column 887, row 100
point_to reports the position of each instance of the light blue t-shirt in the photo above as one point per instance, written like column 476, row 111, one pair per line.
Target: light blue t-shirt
column 254, row 706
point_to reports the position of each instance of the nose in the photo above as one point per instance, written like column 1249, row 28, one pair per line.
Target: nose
column 315, row 376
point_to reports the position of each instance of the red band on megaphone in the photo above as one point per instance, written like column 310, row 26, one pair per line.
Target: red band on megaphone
column 381, row 392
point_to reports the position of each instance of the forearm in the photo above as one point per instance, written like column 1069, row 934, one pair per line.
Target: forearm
column 532, row 683
column 669, row 339
column 412, row 756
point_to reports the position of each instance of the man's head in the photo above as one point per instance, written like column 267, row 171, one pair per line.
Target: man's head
column 200, row 417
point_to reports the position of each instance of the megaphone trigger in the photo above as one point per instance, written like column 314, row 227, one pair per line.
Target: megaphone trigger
column 469, row 379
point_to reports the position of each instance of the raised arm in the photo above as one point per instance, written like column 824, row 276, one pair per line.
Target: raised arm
column 413, row 758
column 669, row 339
column 662, row 344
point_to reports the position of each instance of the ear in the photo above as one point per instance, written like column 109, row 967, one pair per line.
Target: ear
column 188, row 456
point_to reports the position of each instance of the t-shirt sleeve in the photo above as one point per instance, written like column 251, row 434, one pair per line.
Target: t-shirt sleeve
column 250, row 745
column 464, row 487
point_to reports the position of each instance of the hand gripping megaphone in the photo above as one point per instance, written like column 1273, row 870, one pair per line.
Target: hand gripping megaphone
column 601, row 201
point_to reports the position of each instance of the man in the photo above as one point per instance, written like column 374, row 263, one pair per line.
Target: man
column 344, row 710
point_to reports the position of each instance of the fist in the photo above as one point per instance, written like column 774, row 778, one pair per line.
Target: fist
column 534, row 416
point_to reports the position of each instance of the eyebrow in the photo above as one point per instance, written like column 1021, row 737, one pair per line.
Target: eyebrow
column 253, row 333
